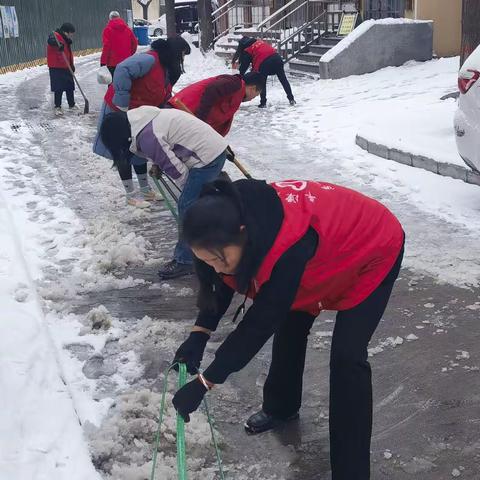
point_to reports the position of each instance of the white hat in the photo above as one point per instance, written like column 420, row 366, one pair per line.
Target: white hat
column 113, row 14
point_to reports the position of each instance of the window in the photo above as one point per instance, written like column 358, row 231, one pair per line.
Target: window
column 410, row 5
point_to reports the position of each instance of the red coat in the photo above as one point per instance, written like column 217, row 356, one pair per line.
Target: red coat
column 259, row 51
column 147, row 90
column 54, row 55
column 359, row 242
column 119, row 42
column 214, row 100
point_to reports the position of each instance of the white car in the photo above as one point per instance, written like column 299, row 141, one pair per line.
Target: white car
column 467, row 116
column 157, row 28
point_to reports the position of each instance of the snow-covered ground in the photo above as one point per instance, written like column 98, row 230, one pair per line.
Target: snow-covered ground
column 66, row 234
column 420, row 129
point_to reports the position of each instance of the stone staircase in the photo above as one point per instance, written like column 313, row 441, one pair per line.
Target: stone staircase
column 306, row 62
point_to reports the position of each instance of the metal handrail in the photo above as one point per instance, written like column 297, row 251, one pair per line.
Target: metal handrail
column 223, row 14
column 230, row 28
column 300, row 30
column 298, row 33
column 289, row 14
column 222, row 7
column 274, row 14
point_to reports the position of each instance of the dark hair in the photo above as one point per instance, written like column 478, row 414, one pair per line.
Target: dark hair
column 255, row 78
column 170, row 54
column 116, row 135
column 67, row 28
column 243, row 43
column 213, row 222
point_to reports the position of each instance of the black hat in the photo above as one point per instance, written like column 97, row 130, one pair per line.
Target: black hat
column 67, row 28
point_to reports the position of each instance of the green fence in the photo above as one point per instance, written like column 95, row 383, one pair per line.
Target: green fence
column 37, row 18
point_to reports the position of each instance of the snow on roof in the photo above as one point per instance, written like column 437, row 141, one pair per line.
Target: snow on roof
column 360, row 30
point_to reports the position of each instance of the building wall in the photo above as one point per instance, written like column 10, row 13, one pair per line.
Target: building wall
column 37, row 19
column 153, row 9
column 447, row 23
column 380, row 46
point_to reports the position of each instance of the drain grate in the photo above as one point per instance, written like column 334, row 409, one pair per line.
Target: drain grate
column 33, row 127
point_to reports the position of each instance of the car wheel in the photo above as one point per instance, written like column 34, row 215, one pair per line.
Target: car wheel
column 158, row 32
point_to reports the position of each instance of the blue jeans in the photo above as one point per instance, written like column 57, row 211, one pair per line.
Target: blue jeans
column 197, row 178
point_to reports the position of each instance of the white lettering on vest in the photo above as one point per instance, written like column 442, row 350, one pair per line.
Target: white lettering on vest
column 297, row 185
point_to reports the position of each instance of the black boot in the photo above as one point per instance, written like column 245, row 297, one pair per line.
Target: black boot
column 261, row 422
column 173, row 269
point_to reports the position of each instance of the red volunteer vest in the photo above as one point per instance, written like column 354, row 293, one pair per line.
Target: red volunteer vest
column 220, row 117
column 147, row 90
column 359, row 242
column 260, row 51
column 54, row 55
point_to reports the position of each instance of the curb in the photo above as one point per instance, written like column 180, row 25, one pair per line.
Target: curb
column 444, row 169
column 42, row 61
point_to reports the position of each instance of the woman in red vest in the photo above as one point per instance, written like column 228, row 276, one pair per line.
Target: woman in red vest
column 215, row 100
column 142, row 79
column 295, row 248
column 265, row 60
column 59, row 48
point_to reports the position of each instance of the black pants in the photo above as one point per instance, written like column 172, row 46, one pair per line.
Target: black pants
column 350, row 377
column 274, row 66
column 125, row 170
column 58, row 98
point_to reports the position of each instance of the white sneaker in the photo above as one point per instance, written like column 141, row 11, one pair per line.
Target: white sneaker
column 150, row 195
column 135, row 200
column 58, row 111
column 75, row 108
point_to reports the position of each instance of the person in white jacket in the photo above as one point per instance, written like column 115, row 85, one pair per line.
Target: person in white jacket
column 187, row 149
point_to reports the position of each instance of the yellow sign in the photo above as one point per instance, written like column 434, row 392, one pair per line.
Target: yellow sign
column 347, row 24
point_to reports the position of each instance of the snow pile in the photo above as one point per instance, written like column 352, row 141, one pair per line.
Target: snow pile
column 40, row 434
column 123, row 446
column 96, row 260
column 99, row 318
column 115, row 248
column 154, row 332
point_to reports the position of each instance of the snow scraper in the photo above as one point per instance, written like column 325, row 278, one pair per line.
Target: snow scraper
column 181, row 452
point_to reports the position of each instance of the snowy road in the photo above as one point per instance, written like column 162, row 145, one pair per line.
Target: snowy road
column 85, row 248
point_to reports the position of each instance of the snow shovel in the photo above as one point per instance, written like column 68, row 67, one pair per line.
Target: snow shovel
column 182, row 106
column 233, row 158
column 161, row 184
column 241, row 168
column 86, row 108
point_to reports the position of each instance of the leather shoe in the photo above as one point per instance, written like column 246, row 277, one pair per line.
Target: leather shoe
column 261, row 422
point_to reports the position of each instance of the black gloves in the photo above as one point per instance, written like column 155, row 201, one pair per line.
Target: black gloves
column 189, row 398
column 191, row 350
column 155, row 171
column 102, row 64
column 230, row 154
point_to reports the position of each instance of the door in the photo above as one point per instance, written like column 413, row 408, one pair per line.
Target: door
column 384, row 8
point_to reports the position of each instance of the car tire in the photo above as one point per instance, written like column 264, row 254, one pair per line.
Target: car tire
column 158, row 32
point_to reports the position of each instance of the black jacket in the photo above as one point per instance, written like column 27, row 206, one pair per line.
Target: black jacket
column 263, row 213
column 243, row 57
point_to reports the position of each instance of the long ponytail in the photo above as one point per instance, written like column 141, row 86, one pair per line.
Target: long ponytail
column 116, row 133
